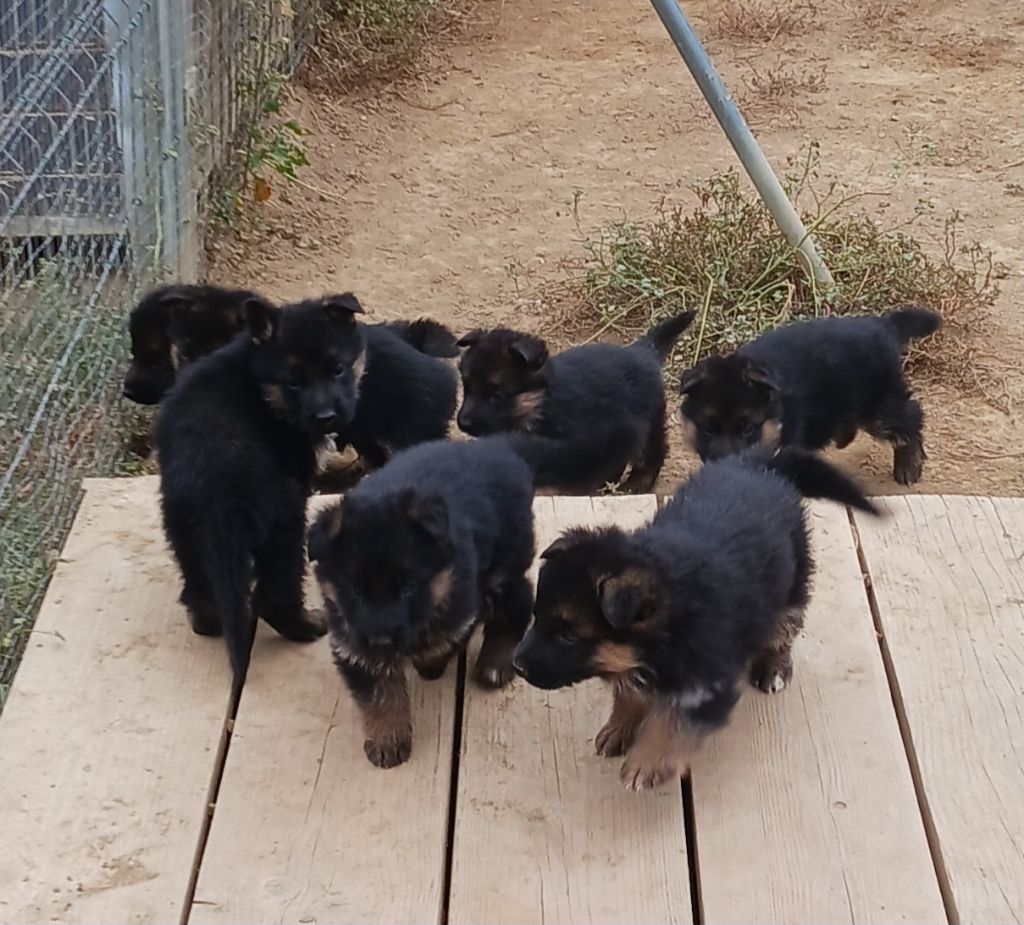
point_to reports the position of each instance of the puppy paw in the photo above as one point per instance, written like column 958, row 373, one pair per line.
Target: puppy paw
column 771, row 677
column 637, row 776
column 388, row 753
column 492, row 676
column 614, row 739
column 430, row 671
column 907, row 472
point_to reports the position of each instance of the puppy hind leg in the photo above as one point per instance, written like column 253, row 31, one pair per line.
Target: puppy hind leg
column 648, row 462
column 505, row 624
column 901, row 423
column 278, row 598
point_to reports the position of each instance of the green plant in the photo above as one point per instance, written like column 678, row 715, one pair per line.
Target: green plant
column 728, row 259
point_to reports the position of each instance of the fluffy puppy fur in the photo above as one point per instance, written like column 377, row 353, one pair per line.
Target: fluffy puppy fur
column 810, row 384
column 676, row 614
column 418, row 552
column 510, row 383
column 237, row 440
column 174, row 325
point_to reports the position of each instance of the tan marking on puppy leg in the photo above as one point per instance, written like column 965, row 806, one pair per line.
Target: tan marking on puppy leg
column 663, row 751
column 387, row 721
column 618, row 734
column 614, row 658
column 527, row 407
column 689, row 431
column 441, row 587
column 274, row 397
column 771, row 432
column 175, row 356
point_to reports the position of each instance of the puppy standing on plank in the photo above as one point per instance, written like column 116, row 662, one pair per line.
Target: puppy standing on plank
column 419, row 551
column 510, row 383
column 810, row 384
column 238, row 439
column 675, row 615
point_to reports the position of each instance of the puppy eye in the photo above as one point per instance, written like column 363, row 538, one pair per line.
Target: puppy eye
column 565, row 633
column 340, row 370
column 750, row 428
column 493, row 393
column 407, row 590
column 294, row 381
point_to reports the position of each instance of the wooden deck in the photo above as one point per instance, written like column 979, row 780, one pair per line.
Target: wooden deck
column 886, row 785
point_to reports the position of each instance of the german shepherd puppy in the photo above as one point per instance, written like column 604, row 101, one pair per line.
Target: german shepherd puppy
column 676, row 614
column 419, row 551
column 174, row 325
column 510, row 383
column 810, row 384
column 237, row 440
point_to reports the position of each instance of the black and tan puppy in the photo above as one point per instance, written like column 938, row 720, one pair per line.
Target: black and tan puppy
column 810, row 384
column 510, row 383
column 174, row 325
column 237, row 440
column 418, row 552
column 675, row 615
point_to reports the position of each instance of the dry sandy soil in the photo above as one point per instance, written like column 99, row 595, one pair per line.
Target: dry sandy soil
column 432, row 190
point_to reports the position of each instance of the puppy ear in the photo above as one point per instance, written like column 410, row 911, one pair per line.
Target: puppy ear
column 692, row 378
column 756, row 374
column 471, row 339
column 564, row 543
column 262, row 320
column 427, row 513
column 342, row 309
column 532, row 352
column 628, row 597
column 323, row 532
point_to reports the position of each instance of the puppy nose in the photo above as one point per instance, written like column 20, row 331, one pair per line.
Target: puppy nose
column 129, row 391
column 325, row 417
column 518, row 667
column 384, row 638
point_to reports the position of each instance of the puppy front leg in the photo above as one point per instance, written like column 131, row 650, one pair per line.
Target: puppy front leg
column 504, row 626
column 666, row 743
column 383, row 699
column 619, row 733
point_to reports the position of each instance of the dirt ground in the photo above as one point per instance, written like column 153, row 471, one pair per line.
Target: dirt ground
column 451, row 195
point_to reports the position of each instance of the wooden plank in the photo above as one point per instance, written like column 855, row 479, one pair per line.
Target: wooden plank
column 805, row 808
column 110, row 736
column 948, row 577
column 544, row 831
column 306, row 829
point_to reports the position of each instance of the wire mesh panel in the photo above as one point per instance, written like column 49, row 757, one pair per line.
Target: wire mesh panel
column 117, row 120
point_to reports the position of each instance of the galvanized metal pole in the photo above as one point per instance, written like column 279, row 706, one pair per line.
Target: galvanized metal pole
column 740, row 136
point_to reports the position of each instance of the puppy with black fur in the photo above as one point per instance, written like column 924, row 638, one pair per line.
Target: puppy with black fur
column 510, row 383
column 810, row 384
column 177, row 324
column 677, row 614
column 238, row 439
column 418, row 552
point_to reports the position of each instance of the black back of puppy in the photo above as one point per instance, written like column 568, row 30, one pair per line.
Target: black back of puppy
column 510, row 383
column 177, row 324
column 810, row 384
column 405, row 398
column 237, row 440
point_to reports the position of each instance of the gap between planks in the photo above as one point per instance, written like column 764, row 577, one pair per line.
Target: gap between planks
column 931, row 832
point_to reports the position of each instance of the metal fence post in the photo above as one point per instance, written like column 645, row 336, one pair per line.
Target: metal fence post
column 740, row 136
column 179, row 214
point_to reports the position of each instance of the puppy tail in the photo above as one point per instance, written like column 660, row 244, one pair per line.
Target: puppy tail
column 427, row 336
column 559, row 462
column 230, row 574
column 813, row 477
column 908, row 324
column 662, row 337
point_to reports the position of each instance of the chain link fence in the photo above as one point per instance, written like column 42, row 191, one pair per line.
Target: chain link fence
column 124, row 125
